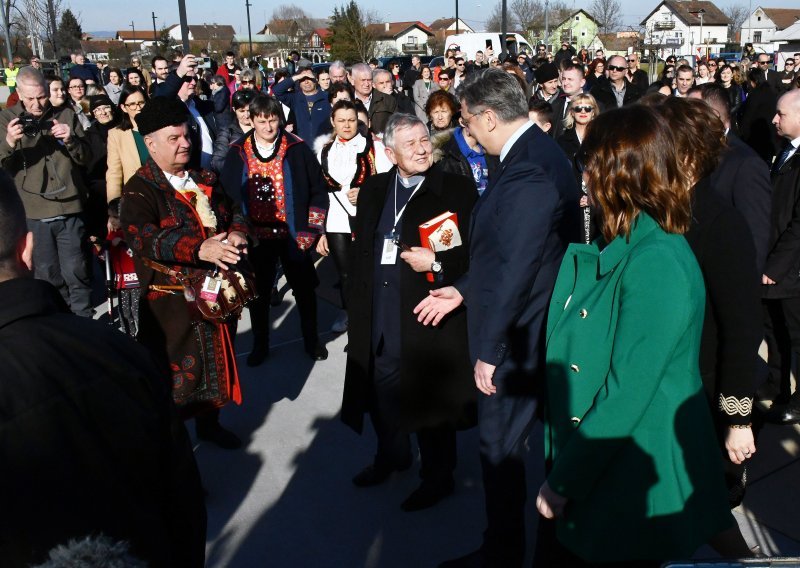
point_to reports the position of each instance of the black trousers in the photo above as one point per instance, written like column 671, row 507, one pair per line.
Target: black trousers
column 339, row 245
column 437, row 446
column 302, row 278
column 782, row 334
column 504, row 422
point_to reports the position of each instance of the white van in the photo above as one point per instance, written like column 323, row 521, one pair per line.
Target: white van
column 472, row 43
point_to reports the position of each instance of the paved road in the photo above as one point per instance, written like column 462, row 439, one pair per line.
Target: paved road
column 286, row 500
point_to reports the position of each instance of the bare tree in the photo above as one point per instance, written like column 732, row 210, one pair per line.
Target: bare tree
column 495, row 19
column 737, row 14
column 608, row 13
column 291, row 24
column 523, row 14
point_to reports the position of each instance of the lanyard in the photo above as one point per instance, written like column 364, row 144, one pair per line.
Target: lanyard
column 397, row 215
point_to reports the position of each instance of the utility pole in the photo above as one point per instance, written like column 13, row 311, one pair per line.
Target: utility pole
column 503, row 30
column 133, row 27
column 546, row 25
column 6, row 34
column 247, row 5
column 456, row 17
column 51, row 17
column 155, row 33
column 184, row 26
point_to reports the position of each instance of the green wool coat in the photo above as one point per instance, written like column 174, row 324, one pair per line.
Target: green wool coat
column 629, row 436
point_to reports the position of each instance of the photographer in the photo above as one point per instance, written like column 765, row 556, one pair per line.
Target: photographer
column 40, row 149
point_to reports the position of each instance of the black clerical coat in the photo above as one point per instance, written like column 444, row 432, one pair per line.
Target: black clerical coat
column 435, row 371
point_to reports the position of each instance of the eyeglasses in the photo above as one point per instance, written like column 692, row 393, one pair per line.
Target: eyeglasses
column 763, row 62
column 247, row 82
column 466, row 119
column 712, row 64
column 631, row 60
column 587, row 108
column 616, row 68
column 103, row 109
column 138, row 104
column 789, row 64
column 444, row 78
column 189, row 79
column 77, row 88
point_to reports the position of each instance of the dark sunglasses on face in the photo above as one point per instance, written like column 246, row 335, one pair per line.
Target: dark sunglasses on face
column 712, row 64
column 246, row 82
column 616, row 68
column 790, row 64
column 587, row 108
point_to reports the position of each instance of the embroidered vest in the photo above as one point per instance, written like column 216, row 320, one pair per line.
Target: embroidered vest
column 365, row 166
column 266, row 193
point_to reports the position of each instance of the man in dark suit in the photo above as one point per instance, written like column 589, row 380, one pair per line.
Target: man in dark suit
column 572, row 83
column 742, row 177
column 410, row 378
column 771, row 77
column 521, row 226
column 380, row 106
column 181, row 83
column 755, row 125
column 781, row 277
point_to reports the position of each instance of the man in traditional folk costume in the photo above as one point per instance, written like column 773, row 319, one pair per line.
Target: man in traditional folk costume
column 176, row 219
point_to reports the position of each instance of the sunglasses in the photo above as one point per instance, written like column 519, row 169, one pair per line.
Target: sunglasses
column 247, row 82
column 189, row 79
column 763, row 62
column 712, row 64
column 616, row 68
column 790, row 64
column 587, row 108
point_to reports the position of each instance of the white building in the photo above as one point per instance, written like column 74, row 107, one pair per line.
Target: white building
column 764, row 23
column 694, row 27
column 788, row 42
column 401, row 38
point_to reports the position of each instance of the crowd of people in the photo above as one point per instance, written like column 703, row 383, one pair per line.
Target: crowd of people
column 537, row 237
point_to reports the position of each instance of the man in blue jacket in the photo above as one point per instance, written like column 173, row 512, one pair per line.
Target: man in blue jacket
column 310, row 104
column 521, row 227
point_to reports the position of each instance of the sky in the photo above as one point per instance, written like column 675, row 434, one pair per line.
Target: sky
column 113, row 15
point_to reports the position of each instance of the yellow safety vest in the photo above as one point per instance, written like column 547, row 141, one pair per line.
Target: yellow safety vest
column 11, row 77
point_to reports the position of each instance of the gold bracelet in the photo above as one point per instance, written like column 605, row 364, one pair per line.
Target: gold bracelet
column 741, row 426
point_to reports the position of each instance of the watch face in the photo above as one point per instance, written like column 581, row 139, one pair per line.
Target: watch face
column 436, row 267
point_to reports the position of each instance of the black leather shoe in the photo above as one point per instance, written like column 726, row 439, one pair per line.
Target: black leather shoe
column 427, row 495
column 789, row 414
column 318, row 352
column 220, row 437
column 475, row 559
column 258, row 355
column 375, row 475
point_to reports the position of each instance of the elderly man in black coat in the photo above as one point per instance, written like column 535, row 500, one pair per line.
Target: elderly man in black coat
column 781, row 275
column 89, row 439
column 410, row 378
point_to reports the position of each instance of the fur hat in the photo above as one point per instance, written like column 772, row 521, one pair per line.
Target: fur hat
column 546, row 72
column 98, row 101
column 161, row 112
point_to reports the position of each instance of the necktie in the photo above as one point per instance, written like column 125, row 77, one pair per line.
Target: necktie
column 783, row 157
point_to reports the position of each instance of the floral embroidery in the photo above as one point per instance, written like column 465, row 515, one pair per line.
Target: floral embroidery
column 266, row 192
column 305, row 240
column 316, row 218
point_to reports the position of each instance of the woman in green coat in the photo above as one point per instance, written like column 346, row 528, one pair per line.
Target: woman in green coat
column 634, row 472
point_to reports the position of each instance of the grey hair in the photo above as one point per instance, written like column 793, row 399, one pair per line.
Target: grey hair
column 399, row 121
column 378, row 72
column 30, row 74
column 497, row 90
column 338, row 64
column 248, row 74
column 361, row 68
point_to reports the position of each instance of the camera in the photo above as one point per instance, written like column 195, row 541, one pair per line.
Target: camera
column 205, row 64
column 32, row 125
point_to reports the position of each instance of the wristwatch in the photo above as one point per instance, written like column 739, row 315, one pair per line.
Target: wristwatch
column 436, row 267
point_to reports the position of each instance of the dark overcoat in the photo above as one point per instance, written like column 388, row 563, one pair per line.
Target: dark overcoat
column 783, row 259
column 435, row 372
column 164, row 227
